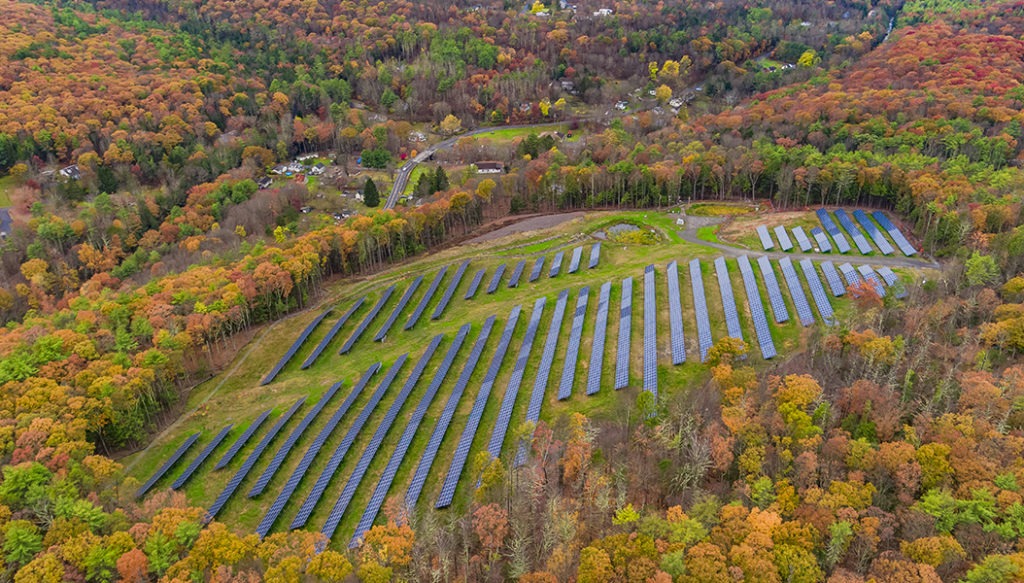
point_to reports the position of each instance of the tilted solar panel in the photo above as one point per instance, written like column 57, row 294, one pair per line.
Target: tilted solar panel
column 872, row 277
column 876, row 235
column 595, row 255
column 650, row 333
column 891, row 280
column 824, row 245
column 851, row 276
column 449, row 293
column 573, row 350
column 294, row 347
column 242, row 440
column 818, row 292
column 771, row 284
column 331, row 333
column 854, row 231
column 556, row 264
column 835, row 283
column 766, row 238
column 784, row 243
column 761, row 330
column 796, row 292
column 508, row 401
column 538, row 267
column 192, row 467
column 700, row 309
column 475, row 284
column 427, row 296
column 517, row 273
column 842, row 245
column 675, row 315
column 801, row 239
column 496, row 279
column 574, row 263
column 596, row 362
column 732, row 318
column 897, row 236
column 625, row 333
column 409, row 291
column 167, row 465
column 347, row 346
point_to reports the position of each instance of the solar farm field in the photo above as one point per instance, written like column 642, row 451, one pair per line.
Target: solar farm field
column 359, row 425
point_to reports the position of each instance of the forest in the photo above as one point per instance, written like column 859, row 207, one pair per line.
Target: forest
column 887, row 452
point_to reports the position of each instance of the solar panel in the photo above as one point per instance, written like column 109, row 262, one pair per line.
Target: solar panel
column 167, row 465
column 427, row 296
column 832, row 278
column 784, row 243
column 851, row 276
column 242, row 440
column 650, row 334
column 872, row 277
column 367, row 320
column 517, row 273
column 383, row 426
column 192, row 467
column 766, row 238
column 449, row 293
column 409, row 291
column 574, row 263
column 475, row 284
column 796, row 291
column 311, row 452
column 508, row 401
column 556, row 264
column 540, row 382
column 538, row 267
column 595, row 255
column 675, row 315
column 822, row 240
column 876, row 235
column 294, row 348
column 250, row 461
column 732, row 318
column 892, row 281
column 341, row 450
column 458, row 462
column 572, row 352
column 801, row 239
column 761, row 330
column 331, row 333
column 596, row 362
column 700, row 309
column 771, row 284
column 388, row 476
column 818, row 292
column 419, row 478
column 625, row 333
column 855, row 233
column 496, row 279
column 842, row 245
column 278, row 459
column 897, row 236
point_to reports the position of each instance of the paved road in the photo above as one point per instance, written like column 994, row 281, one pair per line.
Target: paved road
column 5, row 222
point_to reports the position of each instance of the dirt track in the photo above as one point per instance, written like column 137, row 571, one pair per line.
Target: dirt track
column 526, row 225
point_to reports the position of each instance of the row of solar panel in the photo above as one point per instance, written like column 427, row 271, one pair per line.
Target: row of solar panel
column 761, row 330
column 866, row 225
column 650, row 360
column 294, row 347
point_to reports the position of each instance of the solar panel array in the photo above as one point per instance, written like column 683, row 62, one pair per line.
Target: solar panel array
column 784, row 243
column 761, row 329
column 732, row 317
column 818, row 292
column 675, row 315
column 449, row 292
column 419, row 478
column 508, row 401
column 388, row 476
column 650, row 333
column 192, row 467
column 595, row 255
column 625, row 332
column 250, row 461
column 282, row 452
column 556, row 264
column 597, row 346
column 458, row 462
column 801, row 239
column 824, row 245
column 517, row 273
column 796, row 291
column 383, row 427
column 858, row 237
column 892, row 281
column 242, row 440
column 475, row 284
column 700, row 309
column 427, row 296
column 294, row 348
column 404, row 301
column 897, row 236
column 311, row 452
column 876, row 235
column 538, row 267
column 496, row 279
column 331, row 333
column 339, row 453
column 766, row 238
column 167, row 465
column 540, row 382
column 574, row 263
column 842, row 245
column 832, row 278
column 572, row 352
column 850, row 275
column 367, row 320
column 771, row 284
column 870, row 275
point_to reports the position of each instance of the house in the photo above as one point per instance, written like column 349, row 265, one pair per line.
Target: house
column 317, row 169
column 621, row 105
column 417, row 137
column 306, row 210
column 294, row 168
column 489, row 167
column 567, row 85
column 603, row 12
column 676, row 102
column 71, row 172
column 264, row 183
column 305, row 157
column 279, row 169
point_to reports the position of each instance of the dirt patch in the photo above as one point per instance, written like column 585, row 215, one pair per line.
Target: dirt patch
column 739, row 226
column 525, row 225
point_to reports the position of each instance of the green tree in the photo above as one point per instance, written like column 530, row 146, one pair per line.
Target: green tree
column 22, row 540
column 371, row 197
column 981, row 270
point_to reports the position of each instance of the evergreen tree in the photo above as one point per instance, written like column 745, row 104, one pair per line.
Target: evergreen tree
column 440, row 180
column 371, row 197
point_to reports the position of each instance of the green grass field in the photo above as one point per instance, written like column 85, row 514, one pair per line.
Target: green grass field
column 235, row 396
column 507, row 134
column 7, row 184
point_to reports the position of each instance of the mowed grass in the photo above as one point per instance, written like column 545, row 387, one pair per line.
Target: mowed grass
column 235, row 396
column 7, row 184
column 507, row 134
